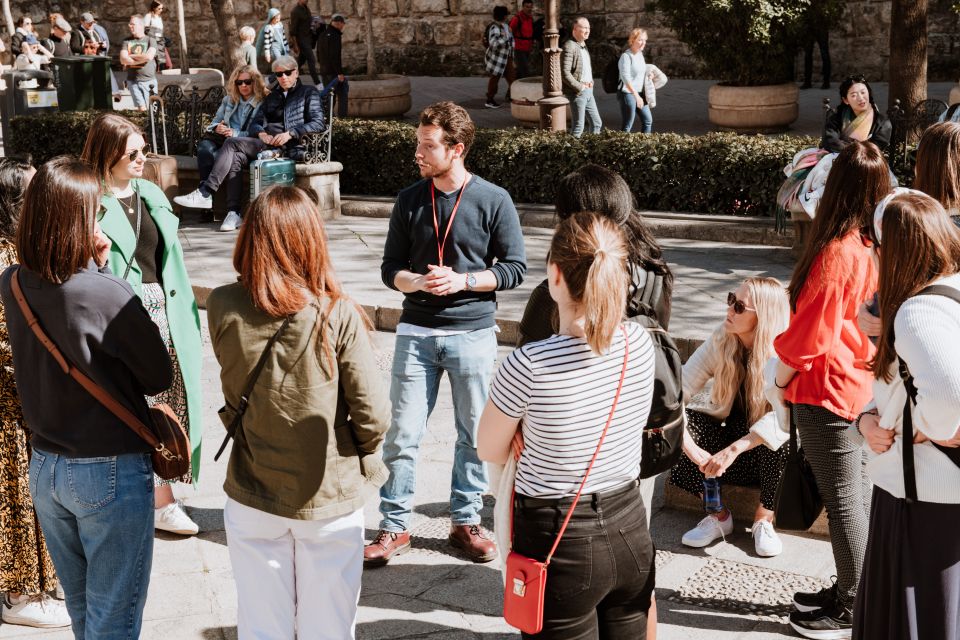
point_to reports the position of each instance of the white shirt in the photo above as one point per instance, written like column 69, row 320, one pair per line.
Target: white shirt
column 587, row 72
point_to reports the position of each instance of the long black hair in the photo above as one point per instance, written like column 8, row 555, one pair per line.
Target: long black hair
column 13, row 170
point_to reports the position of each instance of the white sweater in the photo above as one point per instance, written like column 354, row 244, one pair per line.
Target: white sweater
column 698, row 370
column 927, row 331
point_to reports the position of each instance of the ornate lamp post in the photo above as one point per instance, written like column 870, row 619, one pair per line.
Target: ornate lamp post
column 553, row 104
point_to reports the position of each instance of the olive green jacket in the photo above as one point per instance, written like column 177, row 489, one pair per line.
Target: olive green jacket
column 182, row 313
column 310, row 440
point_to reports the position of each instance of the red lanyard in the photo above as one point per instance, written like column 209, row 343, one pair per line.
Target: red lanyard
column 453, row 214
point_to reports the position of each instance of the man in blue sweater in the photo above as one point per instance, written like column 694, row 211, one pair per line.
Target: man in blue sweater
column 454, row 240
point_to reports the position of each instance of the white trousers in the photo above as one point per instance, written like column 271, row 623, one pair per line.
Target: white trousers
column 295, row 578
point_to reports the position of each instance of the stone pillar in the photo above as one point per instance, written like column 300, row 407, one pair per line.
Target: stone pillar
column 553, row 104
column 323, row 178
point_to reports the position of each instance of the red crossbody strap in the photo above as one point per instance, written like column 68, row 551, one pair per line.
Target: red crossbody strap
column 613, row 408
column 92, row 387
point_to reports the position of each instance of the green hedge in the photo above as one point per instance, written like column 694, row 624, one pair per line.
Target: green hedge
column 718, row 173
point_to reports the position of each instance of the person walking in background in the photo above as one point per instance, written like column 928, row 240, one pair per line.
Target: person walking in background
column 498, row 59
column 248, row 52
column 90, row 473
column 138, row 56
column 454, row 240
column 26, row 570
column 638, row 83
column 271, row 44
column 734, row 435
column 556, row 404
column 145, row 251
column 329, row 50
column 821, row 373
column 302, row 38
column 577, row 77
column 153, row 26
column 818, row 18
column 310, row 440
column 910, row 586
column 521, row 26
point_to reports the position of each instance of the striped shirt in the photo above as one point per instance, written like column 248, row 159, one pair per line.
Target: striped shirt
column 563, row 393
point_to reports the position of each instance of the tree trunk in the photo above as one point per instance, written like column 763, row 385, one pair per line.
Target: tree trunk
column 8, row 18
column 182, row 29
column 226, row 17
column 908, row 52
column 371, row 57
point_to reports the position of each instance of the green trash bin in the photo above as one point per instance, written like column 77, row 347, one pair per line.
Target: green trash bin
column 83, row 82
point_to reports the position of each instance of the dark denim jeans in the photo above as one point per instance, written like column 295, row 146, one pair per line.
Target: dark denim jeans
column 97, row 516
column 601, row 578
column 206, row 157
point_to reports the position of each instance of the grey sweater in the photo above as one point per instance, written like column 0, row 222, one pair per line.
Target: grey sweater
column 101, row 327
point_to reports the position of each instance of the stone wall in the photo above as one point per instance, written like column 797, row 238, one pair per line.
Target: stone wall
column 443, row 37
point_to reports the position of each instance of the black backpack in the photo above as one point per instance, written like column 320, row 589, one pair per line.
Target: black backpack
column 611, row 76
column 663, row 434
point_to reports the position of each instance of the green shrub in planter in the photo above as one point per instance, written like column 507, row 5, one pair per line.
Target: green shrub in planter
column 62, row 133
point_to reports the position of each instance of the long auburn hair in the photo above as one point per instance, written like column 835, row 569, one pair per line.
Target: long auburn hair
column 938, row 164
column 591, row 254
column 920, row 244
column 858, row 180
column 282, row 258
column 737, row 365
column 107, row 143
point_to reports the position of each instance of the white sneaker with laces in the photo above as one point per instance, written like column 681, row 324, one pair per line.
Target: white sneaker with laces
column 35, row 611
column 195, row 200
column 708, row 530
column 174, row 519
column 231, row 222
column 765, row 539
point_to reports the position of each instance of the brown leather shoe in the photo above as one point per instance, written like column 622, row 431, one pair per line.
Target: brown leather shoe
column 386, row 545
column 470, row 539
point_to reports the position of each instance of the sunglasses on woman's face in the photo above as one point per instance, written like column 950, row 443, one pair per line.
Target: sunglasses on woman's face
column 132, row 155
column 739, row 306
column 240, row 83
column 288, row 72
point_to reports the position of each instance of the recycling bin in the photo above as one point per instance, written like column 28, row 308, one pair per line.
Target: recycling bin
column 83, row 82
column 26, row 94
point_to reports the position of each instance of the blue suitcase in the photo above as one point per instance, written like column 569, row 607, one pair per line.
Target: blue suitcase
column 269, row 169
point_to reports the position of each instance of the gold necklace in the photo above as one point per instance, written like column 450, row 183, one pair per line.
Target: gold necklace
column 129, row 205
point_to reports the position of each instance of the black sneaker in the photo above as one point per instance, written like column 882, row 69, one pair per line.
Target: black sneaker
column 835, row 621
column 811, row 601
column 491, row 104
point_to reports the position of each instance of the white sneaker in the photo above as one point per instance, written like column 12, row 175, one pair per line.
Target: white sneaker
column 231, row 222
column 35, row 611
column 174, row 519
column 765, row 539
column 195, row 200
column 708, row 530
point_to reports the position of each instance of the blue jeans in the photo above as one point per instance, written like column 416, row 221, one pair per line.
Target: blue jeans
column 206, row 156
column 418, row 365
column 629, row 111
column 97, row 516
column 140, row 92
column 584, row 104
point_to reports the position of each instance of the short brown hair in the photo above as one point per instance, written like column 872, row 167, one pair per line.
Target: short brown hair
column 107, row 143
column 55, row 236
column 938, row 164
column 455, row 122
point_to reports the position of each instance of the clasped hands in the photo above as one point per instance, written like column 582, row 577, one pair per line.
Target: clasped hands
column 442, row 281
column 276, row 141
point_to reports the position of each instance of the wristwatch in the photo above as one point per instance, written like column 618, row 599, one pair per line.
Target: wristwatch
column 471, row 282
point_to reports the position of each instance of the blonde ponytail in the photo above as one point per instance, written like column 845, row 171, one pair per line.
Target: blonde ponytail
column 591, row 254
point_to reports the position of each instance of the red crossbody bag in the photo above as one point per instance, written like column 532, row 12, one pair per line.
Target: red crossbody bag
column 526, row 577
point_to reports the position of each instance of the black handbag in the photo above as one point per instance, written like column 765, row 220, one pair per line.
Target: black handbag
column 797, row 503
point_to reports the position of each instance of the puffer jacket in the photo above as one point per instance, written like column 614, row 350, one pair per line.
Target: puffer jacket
column 300, row 112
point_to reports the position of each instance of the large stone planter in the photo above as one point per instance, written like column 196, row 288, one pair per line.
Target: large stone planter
column 199, row 78
column 524, row 94
column 386, row 97
column 754, row 109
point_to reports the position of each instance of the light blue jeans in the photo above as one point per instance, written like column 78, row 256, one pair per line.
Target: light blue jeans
column 629, row 111
column 140, row 92
column 418, row 365
column 97, row 516
column 584, row 104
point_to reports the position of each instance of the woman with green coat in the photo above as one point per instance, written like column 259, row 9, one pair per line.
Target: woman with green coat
column 138, row 219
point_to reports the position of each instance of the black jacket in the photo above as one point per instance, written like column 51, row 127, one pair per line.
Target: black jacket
column 300, row 23
column 299, row 112
column 833, row 140
column 329, row 48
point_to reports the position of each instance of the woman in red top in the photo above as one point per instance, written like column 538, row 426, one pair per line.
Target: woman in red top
column 822, row 372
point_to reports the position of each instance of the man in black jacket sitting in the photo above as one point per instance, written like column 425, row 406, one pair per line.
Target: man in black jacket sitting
column 329, row 47
column 289, row 112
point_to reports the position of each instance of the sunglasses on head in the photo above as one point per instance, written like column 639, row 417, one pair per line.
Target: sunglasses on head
column 288, row 72
column 132, row 155
column 242, row 82
column 739, row 306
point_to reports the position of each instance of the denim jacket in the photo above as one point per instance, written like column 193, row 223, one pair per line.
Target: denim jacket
column 299, row 112
column 235, row 115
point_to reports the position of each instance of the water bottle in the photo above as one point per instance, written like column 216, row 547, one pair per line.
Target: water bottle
column 711, row 495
